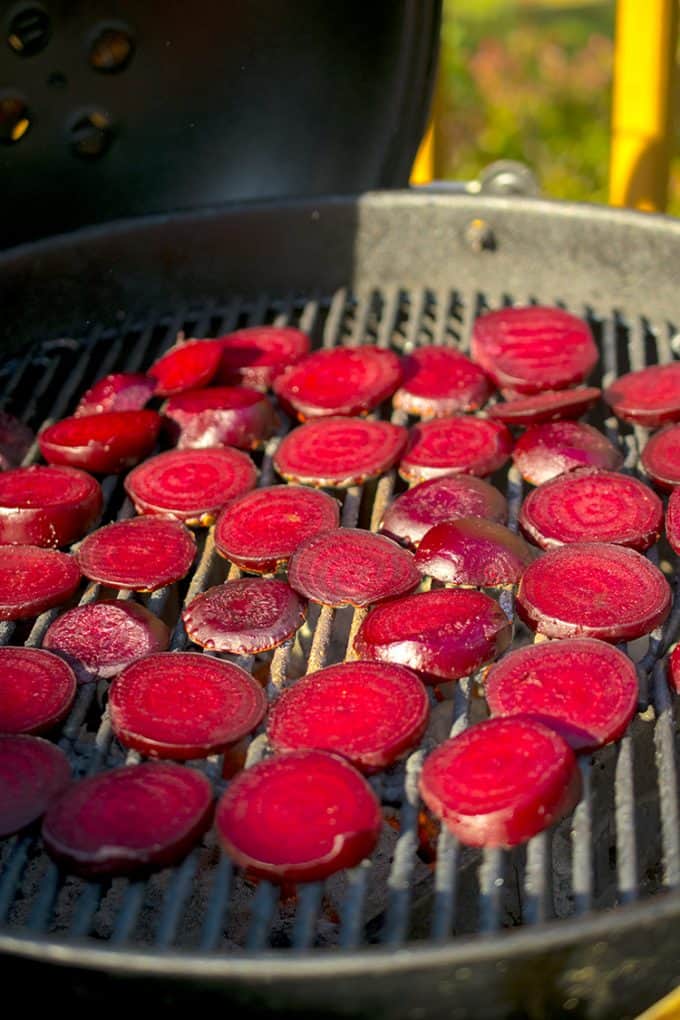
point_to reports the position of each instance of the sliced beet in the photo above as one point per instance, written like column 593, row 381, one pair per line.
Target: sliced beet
column 673, row 521
column 16, row 439
column 141, row 554
column 299, row 817
column 551, row 405
column 47, row 506
column 36, row 690
column 129, row 820
column 546, row 451
column 148, row 705
column 245, row 616
column 439, row 381
column 254, row 356
column 261, row 530
column 458, row 445
column 188, row 365
column 120, row 391
column 190, row 485
column 220, row 416
column 339, row 452
column 443, row 634
column 661, row 457
column 471, row 551
column 501, row 782
column 33, row 579
column 32, row 773
column 588, row 505
column 100, row 639
column 343, row 380
column 591, row 589
column 103, row 443
column 648, row 397
column 674, row 669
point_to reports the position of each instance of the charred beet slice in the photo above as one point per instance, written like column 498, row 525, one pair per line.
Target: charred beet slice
column 188, row 365
column 439, row 381
column 546, row 451
column 100, row 639
column 32, row 773
column 129, row 820
column 103, row 443
column 256, row 355
column 661, row 457
column 299, row 817
column 591, row 589
column 220, row 416
column 33, row 579
column 245, row 616
column 588, row 505
column 649, row 397
column 190, row 485
column 148, row 705
column 344, row 380
column 674, row 669
column 339, row 452
column 457, row 445
column 16, row 440
column 501, row 782
column 470, row 551
column 36, row 690
column 443, row 634
column 141, row 554
column 47, row 506
column 262, row 530
column 120, row 391
column 673, row 521
column 551, row 405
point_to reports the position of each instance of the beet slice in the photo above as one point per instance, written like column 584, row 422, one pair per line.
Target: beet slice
column 501, row 782
column 443, row 634
column 100, row 639
column 16, row 439
column 220, row 416
column 551, row 405
column 47, row 506
column 648, row 397
column 592, row 589
column 244, row 616
column 674, row 669
column 299, row 817
column 343, row 380
column 190, row 485
column 130, row 820
column 439, row 381
column 103, row 443
column 262, row 530
column 120, row 391
column 33, row 579
column 141, row 554
column 588, row 505
column 546, row 451
column 36, row 690
column 673, row 521
column 148, row 705
column 254, row 356
column 661, row 457
column 455, row 445
column 339, row 452
column 470, row 551
column 32, row 773
column 188, row 365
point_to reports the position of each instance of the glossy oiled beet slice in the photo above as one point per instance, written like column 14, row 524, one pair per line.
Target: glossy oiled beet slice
column 546, row 451
column 501, row 782
column 32, row 773
column 471, row 551
column 458, row 445
column 443, row 634
column 104, row 443
column 344, row 380
column 99, row 639
column 661, row 457
column 148, row 705
column 129, row 820
column 262, row 530
column 551, row 405
column 649, row 397
column 339, row 451
column 673, row 521
column 220, row 416
column 245, row 616
column 190, row 485
column 120, row 391
column 36, row 690
column 588, row 505
column 256, row 355
column 16, row 440
column 188, row 365
column 33, row 579
column 47, row 506
column 674, row 669
column 299, row 817
column 439, row 381
column 591, row 589
column 141, row 554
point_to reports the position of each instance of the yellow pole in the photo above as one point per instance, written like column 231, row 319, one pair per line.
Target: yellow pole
column 423, row 167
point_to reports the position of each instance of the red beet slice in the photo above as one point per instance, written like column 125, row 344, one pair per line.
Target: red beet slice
column 439, row 381
column 120, row 391
column 129, row 820
column 188, row 365
column 47, row 506
column 220, row 416
column 102, row 638
column 344, row 380
column 591, row 589
column 141, row 554
column 104, row 443
column 16, row 440
column 190, row 485
column 33, row 579
column 299, row 817
column 552, row 405
column 443, row 634
column 661, row 457
column 256, row 355
column 36, row 690
column 501, row 782
column 262, row 530
column 32, row 773
column 148, row 705
column 649, row 397
column 455, row 445
column 588, row 505
column 673, row 521
column 674, row 669
column 245, row 616
column 471, row 551
column 546, row 451
column 339, row 451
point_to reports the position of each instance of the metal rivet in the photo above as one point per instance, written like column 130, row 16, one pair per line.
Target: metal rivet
column 479, row 236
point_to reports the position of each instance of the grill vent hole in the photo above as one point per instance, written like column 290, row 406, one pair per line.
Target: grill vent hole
column 14, row 119
column 29, row 31
column 111, row 50
column 91, row 134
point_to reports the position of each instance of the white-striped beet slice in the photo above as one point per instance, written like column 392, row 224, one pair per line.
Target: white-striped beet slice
column 47, row 506
column 220, row 416
column 442, row 635
column 440, row 381
column 533, row 348
column 245, row 616
column 674, row 669
column 551, row 405
column 187, row 366
column 584, row 689
column 372, row 713
column 457, row 445
column 129, row 820
column 546, row 451
column 592, row 589
column 339, row 452
column 261, row 530
column 33, row 579
column 141, row 554
column 16, row 439
column 415, row 511
column 190, row 485
column 32, row 772
column 120, row 391
column 36, row 690
column 100, row 639
column 105, row 444
column 473, row 552
column 299, row 817
column 673, row 521
column 648, row 397
column 148, row 705
column 661, row 457
column 254, row 356
column 588, row 505
column 499, row 783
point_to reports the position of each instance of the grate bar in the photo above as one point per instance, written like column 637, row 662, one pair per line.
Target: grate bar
column 582, row 876
column 536, row 883
column 178, row 891
column 263, row 909
column 126, row 919
column 86, row 908
column 309, row 904
column 353, row 904
column 218, row 904
column 490, row 885
column 664, row 742
column 626, row 845
column 399, row 881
